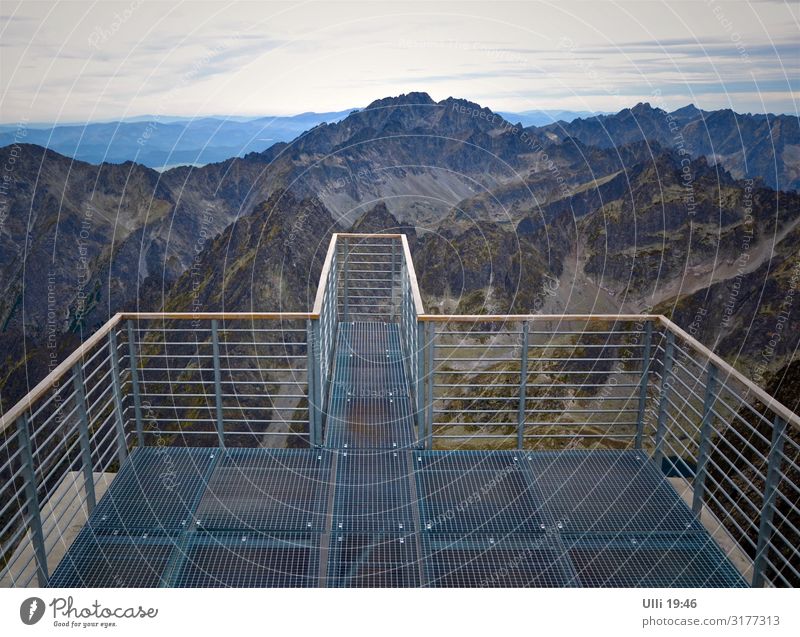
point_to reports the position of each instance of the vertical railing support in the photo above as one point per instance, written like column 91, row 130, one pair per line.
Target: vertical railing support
column 345, row 275
column 217, row 382
column 430, row 344
column 122, row 443
column 315, row 383
column 392, row 278
column 771, row 482
column 419, row 390
column 643, row 383
column 137, row 399
column 32, row 509
column 310, row 376
column 666, row 384
column 523, row 384
column 698, row 495
column 83, row 436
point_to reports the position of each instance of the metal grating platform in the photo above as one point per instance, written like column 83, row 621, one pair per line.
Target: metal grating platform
column 248, row 560
column 369, row 511
column 607, row 492
column 373, row 560
column 158, row 488
column 484, row 560
column 113, row 559
column 653, row 561
column 306, row 517
column 266, row 489
column 373, row 493
column 369, row 405
column 468, row 492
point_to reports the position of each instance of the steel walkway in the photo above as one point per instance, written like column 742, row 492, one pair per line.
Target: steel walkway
column 369, row 509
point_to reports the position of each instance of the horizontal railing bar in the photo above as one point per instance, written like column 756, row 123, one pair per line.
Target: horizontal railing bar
column 538, row 318
column 210, row 432
column 219, row 316
column 557, row 424
column 744, row 534
column 54, row 396
column 531, row 436
column 769, row 402
column 246, row 420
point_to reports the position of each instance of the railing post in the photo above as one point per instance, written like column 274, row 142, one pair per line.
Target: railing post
column 523, row 385
column 32, row 500
column 316, row 381
column 419, row 391
column 310, row 376
column 345, row 275
column 392, row 277
column 705, row 440
column 122, row 444
column 83, row 436
column 643, row 383
column 666, row 384
column 137, row 400
column 431, row 347
column 217, row 383
column 771, row 483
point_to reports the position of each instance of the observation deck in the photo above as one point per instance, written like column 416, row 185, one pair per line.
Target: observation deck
column 369, row 443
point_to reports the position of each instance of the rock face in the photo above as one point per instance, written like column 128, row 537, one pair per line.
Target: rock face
column 605, row 212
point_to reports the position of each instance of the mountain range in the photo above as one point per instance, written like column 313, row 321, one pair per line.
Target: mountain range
column 690, row 213
column 161, row 141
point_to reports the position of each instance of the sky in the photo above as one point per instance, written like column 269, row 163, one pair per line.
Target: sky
column 86, row 61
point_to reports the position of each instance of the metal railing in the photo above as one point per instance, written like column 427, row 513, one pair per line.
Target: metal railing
column 626, row 381
column 513, row 381
column 368, row 276
column 220, row 379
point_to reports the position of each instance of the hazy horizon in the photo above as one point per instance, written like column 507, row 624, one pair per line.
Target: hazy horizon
column 176, row 117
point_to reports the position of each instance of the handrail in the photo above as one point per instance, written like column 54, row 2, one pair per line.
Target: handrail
column 66, row 365
column 538, row 318
column 220, row 316
column 770, row 402
column 25, row 403
column 412, row 275
column 323, row 277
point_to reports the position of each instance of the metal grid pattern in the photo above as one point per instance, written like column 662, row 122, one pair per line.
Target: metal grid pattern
column 476, row 492
column 373, row 560
column 232, row 380
column 521, row 384
column 305, row 517
column 607, row 492
column 683, row 560
column 266, row 489
column 157, row 489
column 114, row 559
column 370, row 405
column 486, row 561
column 368, row 277
column 372, row 492
column 249, row 560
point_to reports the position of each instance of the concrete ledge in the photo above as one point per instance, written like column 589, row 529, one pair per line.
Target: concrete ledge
column 719, row 533
column 61, row 523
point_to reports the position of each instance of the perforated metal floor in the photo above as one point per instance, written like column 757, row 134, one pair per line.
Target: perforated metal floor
column 306, row 517
column 368, row 510
column 369, row 404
